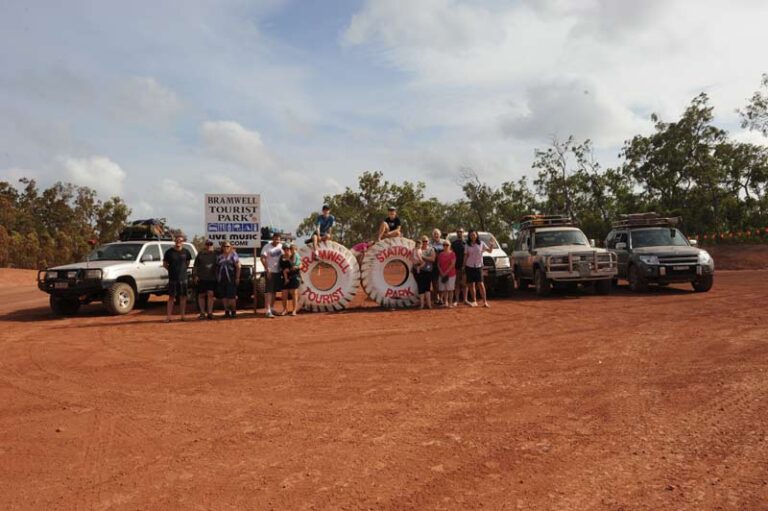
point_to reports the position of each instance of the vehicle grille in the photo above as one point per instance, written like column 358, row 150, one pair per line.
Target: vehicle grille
column 246, row 272
column 682, row 260
column 488, row 261
column 595, row 261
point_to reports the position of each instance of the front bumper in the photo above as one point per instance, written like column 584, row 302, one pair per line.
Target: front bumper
column 576, row 268
column 71, row 283
column 669, row 274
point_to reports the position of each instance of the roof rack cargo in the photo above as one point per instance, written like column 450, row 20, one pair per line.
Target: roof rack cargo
column 650, row 219
column 149, row 229
column 533, row 221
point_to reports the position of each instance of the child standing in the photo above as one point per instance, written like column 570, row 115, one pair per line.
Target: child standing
column 446, row 265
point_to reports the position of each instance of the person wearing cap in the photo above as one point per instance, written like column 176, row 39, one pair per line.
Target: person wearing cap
column 204, row 278
column 423, row 259
column 176, row 260
column 228, row 277
column 390, row 227
column 458, row 246
column 446, row 266
column 271, row 254
column 323, row 228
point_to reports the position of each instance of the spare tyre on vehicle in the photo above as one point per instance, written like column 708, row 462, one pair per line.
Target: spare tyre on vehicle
column 339, row 277
column 389, row 252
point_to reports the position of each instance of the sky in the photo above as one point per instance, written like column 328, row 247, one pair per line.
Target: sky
column 162, row 102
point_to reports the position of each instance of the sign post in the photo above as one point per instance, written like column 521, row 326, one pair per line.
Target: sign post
column 235, row 218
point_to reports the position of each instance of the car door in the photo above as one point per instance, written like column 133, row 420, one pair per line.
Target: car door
column 164, row 247
column 622, row 254
column 519, row 255
column 150, row 273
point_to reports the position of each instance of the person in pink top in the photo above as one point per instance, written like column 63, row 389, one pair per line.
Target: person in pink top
column 446, row 265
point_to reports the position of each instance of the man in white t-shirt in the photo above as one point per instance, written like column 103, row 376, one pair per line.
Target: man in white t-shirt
column 270, row 258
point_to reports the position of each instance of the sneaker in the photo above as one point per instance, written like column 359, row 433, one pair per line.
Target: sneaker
column 473, row 304
column 269, row 315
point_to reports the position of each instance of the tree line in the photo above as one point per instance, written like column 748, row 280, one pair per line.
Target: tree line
column 688, row 167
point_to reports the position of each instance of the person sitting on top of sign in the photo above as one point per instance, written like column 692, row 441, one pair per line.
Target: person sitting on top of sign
column 323, row 227
column 390, row 226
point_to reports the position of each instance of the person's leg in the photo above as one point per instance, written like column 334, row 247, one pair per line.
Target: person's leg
column 315, row 241
column 209, row 295
column 169, row 306
column 482, row 293
column 471, row 286
column 295, row 298
column 182, row 304
column 233, row 300
column 285, row 302
column 201, row 305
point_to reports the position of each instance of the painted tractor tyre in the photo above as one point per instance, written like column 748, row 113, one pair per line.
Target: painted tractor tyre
column 376, row 259
column 345, row 287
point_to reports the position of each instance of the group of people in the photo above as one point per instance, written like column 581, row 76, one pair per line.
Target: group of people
column 450, row 272
column 447, row 273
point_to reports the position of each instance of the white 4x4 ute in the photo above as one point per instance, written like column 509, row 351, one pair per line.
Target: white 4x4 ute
column 120, row 275
column 550, row 250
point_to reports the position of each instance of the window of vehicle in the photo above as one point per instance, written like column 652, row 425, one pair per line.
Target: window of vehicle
column 489, row 240
column 621, row 237
column 116, row 252
column 610, row 242
column 658, row 237
column 191, row 248
column 557, row 238
column 153, row 250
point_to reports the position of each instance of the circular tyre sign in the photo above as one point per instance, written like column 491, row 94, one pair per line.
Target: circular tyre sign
column 380, row 287
column 329, row 281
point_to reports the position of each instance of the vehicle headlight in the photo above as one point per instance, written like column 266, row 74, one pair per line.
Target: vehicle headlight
column 704, row 258
column 51, row 275
column 649, row 259
column 92, row 274
column 72, row 274
column 558, row 260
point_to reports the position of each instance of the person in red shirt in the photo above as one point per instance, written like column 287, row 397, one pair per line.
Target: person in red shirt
column 446, row 266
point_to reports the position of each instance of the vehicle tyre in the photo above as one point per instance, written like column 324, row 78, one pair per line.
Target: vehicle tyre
column 542, row 283
column 637, row 282
column 405, row 294
column 142, row 300
column 520, row 282
column 703, row 283
column 346, row 285
column 603, row 287
column 259, row 288
column 119, row 298
column 64, row 306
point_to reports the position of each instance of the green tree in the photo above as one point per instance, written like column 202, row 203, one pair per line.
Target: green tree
column 755, row 115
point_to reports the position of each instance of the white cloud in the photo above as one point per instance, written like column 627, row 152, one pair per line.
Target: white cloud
column 142, row 98
column 97, row 172
column 230, row 141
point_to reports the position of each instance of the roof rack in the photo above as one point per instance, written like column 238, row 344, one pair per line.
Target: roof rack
column 646, row 220
column 533, row 221
column 142, row 230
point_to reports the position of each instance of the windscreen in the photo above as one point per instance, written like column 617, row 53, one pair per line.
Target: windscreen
column 116, row 252
column 557, row 238
column 658, row 237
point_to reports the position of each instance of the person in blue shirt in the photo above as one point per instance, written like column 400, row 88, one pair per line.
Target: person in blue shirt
column 323, row 228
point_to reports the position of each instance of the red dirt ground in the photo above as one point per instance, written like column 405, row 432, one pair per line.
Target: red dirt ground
column 576, row 402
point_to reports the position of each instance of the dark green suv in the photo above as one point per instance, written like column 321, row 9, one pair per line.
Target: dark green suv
column 652, row 250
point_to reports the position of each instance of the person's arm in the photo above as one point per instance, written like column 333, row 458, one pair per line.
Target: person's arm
column 237, row 271
column 165, row 259
column 486, row 248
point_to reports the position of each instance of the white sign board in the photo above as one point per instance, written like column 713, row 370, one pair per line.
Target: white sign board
column 235, row 218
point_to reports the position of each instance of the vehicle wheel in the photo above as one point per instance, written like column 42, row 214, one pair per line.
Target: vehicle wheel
column 64, row 306
column 703, row 283
column 603, row 287
column 520, row 282
column 259, row 288
column 142, row 300
column 119, row 298
column 637, row 282
column 543, row 285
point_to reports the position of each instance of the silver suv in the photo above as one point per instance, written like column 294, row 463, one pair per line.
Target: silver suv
column 550, row 249
column 120, row 275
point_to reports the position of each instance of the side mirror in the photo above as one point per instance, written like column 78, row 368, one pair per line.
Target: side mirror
column 621, row 246
column 693, row 242
column 592, row 242
column 504, row 246
column 147, row 258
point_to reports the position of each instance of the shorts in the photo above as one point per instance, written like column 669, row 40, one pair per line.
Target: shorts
column 227, row 290
column 177, row 288
column 474, row 275
column 461, row 277
column 204, row 286
column 450, row 285
column 274, row 283
column 423, row 281
column 292, row 283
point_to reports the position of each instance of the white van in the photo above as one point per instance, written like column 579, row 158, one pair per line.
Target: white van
column 497, row 272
